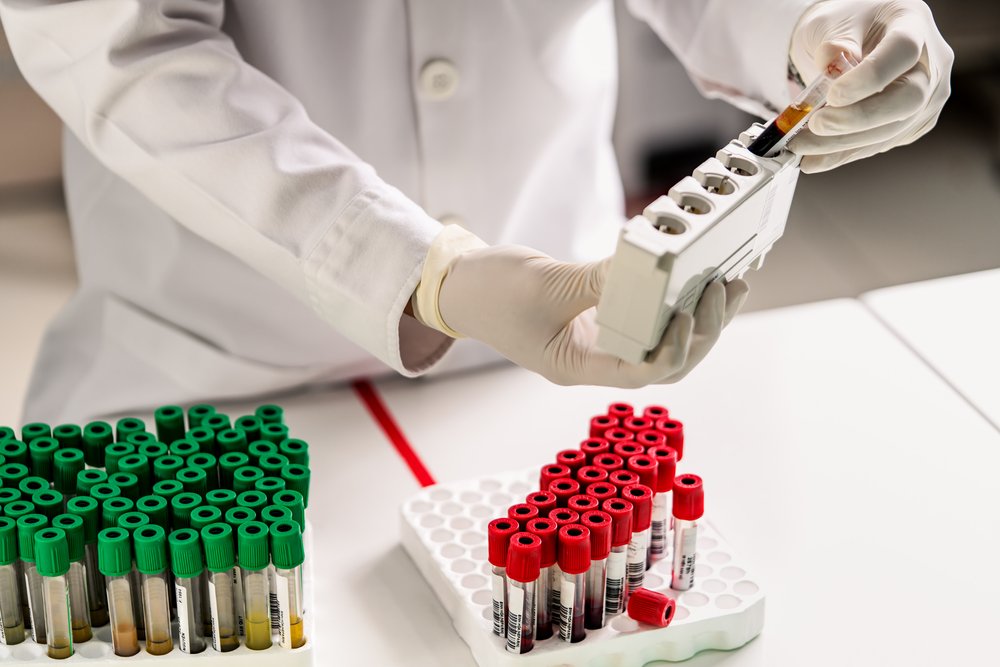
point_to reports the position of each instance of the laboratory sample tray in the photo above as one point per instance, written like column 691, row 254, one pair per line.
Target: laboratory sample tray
column 444, row 531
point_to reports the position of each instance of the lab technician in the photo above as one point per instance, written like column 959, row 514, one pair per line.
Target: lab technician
column 271, row 193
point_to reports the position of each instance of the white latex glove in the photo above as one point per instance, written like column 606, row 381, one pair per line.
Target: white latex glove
column 539, row 313
column 893, row 97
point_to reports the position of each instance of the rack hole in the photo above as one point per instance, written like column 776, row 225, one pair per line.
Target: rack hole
column 718, row 184
column 669, row 225
column 739, row 165
column 694, row 204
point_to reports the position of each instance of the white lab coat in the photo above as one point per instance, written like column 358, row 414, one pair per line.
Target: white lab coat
column 253, row 184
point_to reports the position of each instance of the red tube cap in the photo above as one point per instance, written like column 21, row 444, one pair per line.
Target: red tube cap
column 674, row 430
column 602, row 491
column 650, row 607
column 564, row 517
column 609, row 462
column 689, row 497
column 599, row 524
column 548, row 532
column 591, row 447
column 666, row 467
column 623, row 478
column 645, row 467
column 564, row 488
column 636, row 424
column 628, row 449
column 620, row 410
column 574, row 549
column 524, row 557
column 545, row 501
column 499, row 532
column 600, row 424
column 616, row 435
column 583, row 503
column 641, row 497
column 573, row 459
column 522, row 513
column 651, row 438
column 620, row 511
column 655, row 412
column 590, row 474
column 550, row 472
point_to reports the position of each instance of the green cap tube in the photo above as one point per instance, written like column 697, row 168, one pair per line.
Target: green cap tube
column 194, row 480
column 7, row 433
column 112, row 508
column 66, row 465
column 18, row 508
column 72, row 525
column 287, row 551
column 229, row 463
column 128, row 426
column 293, row 501
column 272, row 464
column 255, row 500
column 269, row 486
column 197, row 413
column 166, row 467
column 181, row 507
column 12, row 473
column 49, row 502
column 70, row 436
column 8, row 540
column 35, row 430
column 9, row 495
column 138, row 465
column 184, row 447
column 185, row 553
column 204, row 437
column 270, row 414
column 220, row 555
column 127, row 482
column 167, row 489
column 169, row 422
column 153, row 451
column 204, row 515
column 15, row 452
column 29, row 486
column 52, row 552
column 205, row 462
column 150, row 549
column 114, row 453
column 103, row 491
column 295, row 450
column 273, row 513
column 252, row 546
column 237, row 516
column 297, row 478
column 141, row 438
column 86, row 479
column 221, row 498
column 259, row 448
column 96, row 436
column 41, row 451
column 156, row 508
column 132, row 521
column 114, row 552
column 27, row 526
column 250, row 426
column 274, row 433
column 217, row 422
column 231, row 440
column 89, row 510
column 245, row 477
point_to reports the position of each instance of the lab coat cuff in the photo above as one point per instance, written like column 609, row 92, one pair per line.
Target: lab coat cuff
column 771, row 54
column 452, row 242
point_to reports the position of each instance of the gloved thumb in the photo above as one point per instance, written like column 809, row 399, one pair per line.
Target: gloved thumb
column 577, row 286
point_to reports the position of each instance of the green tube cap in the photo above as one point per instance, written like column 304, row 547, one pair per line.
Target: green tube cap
column 150, row 549
column 133, row 521
column 181, row 507
column 127, row 482
column 153, row 450
column 269, row 485
column 287, row 551
column 293, row 501
column 114, row 508
column 114, row 452
column 72, row 525
column 35, row 430
column 18, row 508
column 252, row 541
column 49, row 502
column 127, row 426
column 87, row 479
column 255, row 500
column 229, row 463
column 8, row 540
column 87, row 509
column 104, row 491
column 198, row 413
column 250, row 426
column 185, row 553
column 204, row 437
column 41, row 451
column 137, row 464
column 297, row 478
column 274, row 433
column 12, row 473
column 27, row 526
column 8, row 495
column 220, row 555
column 270, row 414
column 184, row 447
column 245, row 477
column 273, row 513
column 231, row 440
column 217, row 422
column 52, row 552
column 167, row 489
column 29, row 486
column 295, row 450
column 237, row 516
column 141, row 438
column 166, row 467
column 69, row 436
column 66, row 465
column 169, row 422
column 7, row 433
column 221, row 498
column 194, row 480
column 204, row 515
column 96, row 436
column 114, row 552
column 155, row 507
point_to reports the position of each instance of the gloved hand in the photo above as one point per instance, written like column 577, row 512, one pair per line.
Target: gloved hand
column 893, row 97
column 539, row 313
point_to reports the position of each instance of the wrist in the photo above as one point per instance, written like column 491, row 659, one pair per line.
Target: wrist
column 451, row 243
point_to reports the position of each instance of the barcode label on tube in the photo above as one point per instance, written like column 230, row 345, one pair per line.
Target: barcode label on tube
column 515, row 618
column 272, row 597
column 213, row 605
column 661, row 521
column 183, row 629
column 555, row 581
column 237, row 575
column 284, row 612
column 635, row 568
column 567, row 596
column 615, row 582
column 498, row 607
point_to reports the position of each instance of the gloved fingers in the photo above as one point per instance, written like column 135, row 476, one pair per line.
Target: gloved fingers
column 808, row 143
column 709, row 318
column 737, row 292
column 901, row 100
column 814, row 164
column 670, row 356
column 575, row 287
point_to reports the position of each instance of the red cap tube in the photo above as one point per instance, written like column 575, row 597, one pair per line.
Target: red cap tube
column 545, row 501
column 524, row 557
column 609, row 462
column 620, row 511
column 689, row 497
column 590, row 474
column 623, row 478
column 574, row 549
column 627, row 450
column 620, row 410
column 550, row 472
column 600, row 424
column 641, row 497
column 636, row 424
column 599, row 524
column 645, row 467
column 655, row 412
column 522, row 513
column 591, row 447
column 650, row 607
column 674, row 430
column 583, row 503
column 602, row 491
column 499, row 532
column 573, row 459
column 666, row 467
column 616, row 435
column 564, row 489
column 651, row 438
column 548, row 532
column 564, row 517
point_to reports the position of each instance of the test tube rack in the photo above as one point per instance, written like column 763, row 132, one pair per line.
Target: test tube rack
column 98, row 652
column 715, row 224
column 444, row 531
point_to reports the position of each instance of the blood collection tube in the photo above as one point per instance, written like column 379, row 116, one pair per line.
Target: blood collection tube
column 601, row 423
column 114, row 548
column 654, row 412
column 641, row 497
column 573, row 459
column 646, row 606
column 169, row 423
column 287, row 554
column 52, row 553
column 97, row 596
column 11, row 619
column 621, row 512
column 620, row 410
column 524, row 557
column 645, row 467
column 499, row 532
column 188, row 565
column 689, row 506
column 616, row 435
column 581, row 503
column 41, row 452
column 662, row 522
column 590, row 474
column 522, row 513
column 551, row 472
column 623, row 478
column 561, row 517
column 602, row 491
column 76, row 577
column 627, row 449
column 599, row 524
column 636, row 424
column 220, row 559
column 574, row 561
column 651, row 438
column 253, row 557
column 564, row 489
column 548, row 533
column 545, row 501
column 674, row 431
column 27, row 526
column 609, row 462
column 151, row 561
column 593, row 446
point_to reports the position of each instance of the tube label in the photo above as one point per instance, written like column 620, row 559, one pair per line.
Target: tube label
column 515, row 618
column 555, row 581
column 284, row 613
column 566, row 598
column 213, row 605
column 660, row 526
column 636, row 565
column 272, row 597
column 615, row 582
column 499, row 611
column 183, row 618
column 237, row 575
column 685, row 545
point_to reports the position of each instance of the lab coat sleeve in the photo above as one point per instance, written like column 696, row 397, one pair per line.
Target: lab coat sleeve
column 736, row 50
column 162, row 97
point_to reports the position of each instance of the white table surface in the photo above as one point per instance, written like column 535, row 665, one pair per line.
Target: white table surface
column 954, row 325
column 860, row 486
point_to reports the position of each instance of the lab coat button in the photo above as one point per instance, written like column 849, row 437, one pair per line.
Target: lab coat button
column 439, row 79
